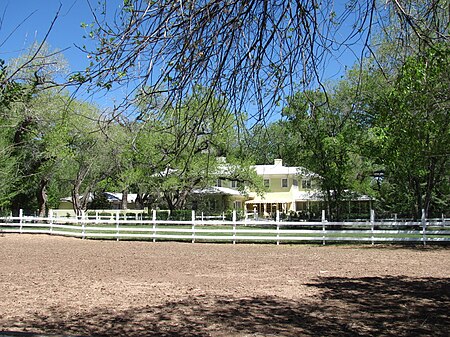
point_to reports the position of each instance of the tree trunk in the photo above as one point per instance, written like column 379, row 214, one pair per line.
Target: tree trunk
column 79, row 204
column 76, row 198
column 76, row 202
column 328, row 203
column 124, row 201
column 42, row 197
column 176, row 200
column 139, row 202
column 430, row 185
column 419, row 199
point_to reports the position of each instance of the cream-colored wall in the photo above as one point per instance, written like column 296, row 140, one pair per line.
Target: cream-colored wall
column 275, row 183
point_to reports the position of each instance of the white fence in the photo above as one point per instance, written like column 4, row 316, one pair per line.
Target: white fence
column 206, row 230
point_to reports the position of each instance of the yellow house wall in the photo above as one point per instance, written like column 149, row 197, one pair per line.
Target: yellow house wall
column 275, row 184
column 277, row 194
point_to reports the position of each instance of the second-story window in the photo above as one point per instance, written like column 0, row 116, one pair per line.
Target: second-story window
column 284, row 182
column 266, row 182
column 234, row 184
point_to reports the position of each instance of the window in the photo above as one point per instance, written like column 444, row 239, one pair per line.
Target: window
column 234, row 184
column 306, row 183
column 284, row 182
column 219, row 182
column 295, row 182
column 266, row 182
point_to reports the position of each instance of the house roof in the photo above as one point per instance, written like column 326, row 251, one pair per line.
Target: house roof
column 277, row 168
column 111, row 196
column 217, row 190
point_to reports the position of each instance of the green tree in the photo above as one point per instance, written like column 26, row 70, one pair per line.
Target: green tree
column 326, row 145
column 411, row 125
column 178, row 149
column 265, row 143
column 88, row 156
column 28, row 118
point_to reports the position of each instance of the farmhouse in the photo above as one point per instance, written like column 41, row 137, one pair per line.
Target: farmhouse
column 288, row 190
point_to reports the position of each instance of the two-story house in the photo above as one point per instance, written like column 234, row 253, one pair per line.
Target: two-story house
column 294, row 190
column 289, row 189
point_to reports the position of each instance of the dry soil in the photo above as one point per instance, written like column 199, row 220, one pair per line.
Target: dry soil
column 67, row 286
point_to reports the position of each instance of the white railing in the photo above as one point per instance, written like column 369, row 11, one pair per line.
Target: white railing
column 277, row 231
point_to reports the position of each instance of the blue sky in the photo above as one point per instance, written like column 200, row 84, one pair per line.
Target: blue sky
column 29, row 20
column 26, row 21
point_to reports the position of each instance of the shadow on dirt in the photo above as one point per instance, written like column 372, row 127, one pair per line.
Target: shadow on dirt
column 380, row 306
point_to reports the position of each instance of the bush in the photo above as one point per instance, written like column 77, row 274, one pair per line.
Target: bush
column 229, row 215
column 181, row 214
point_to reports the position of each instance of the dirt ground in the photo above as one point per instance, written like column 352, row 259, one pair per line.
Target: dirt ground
column 67, row 286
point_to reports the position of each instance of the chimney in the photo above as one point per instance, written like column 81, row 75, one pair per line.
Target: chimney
column 278, row 162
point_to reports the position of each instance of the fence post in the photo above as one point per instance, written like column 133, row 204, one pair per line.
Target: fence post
column 424, row 227
column 324, row 232
column 234, row 226
column 372, row 224
column 21, row 220
column 277, row 220
column 117, row 225
column 193, row 226
column 154, row 224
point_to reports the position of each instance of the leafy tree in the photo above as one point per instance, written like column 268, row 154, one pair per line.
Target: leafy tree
column 177, row 150
column 411, row 125
column 88, row 154
column 326, row 145
column 28, row 117
column 9, row 92
column 265, row 143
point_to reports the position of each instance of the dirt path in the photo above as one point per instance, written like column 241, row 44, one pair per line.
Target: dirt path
column 70, row 286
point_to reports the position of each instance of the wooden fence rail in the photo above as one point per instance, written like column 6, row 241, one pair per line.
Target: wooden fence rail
column 206, row 230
